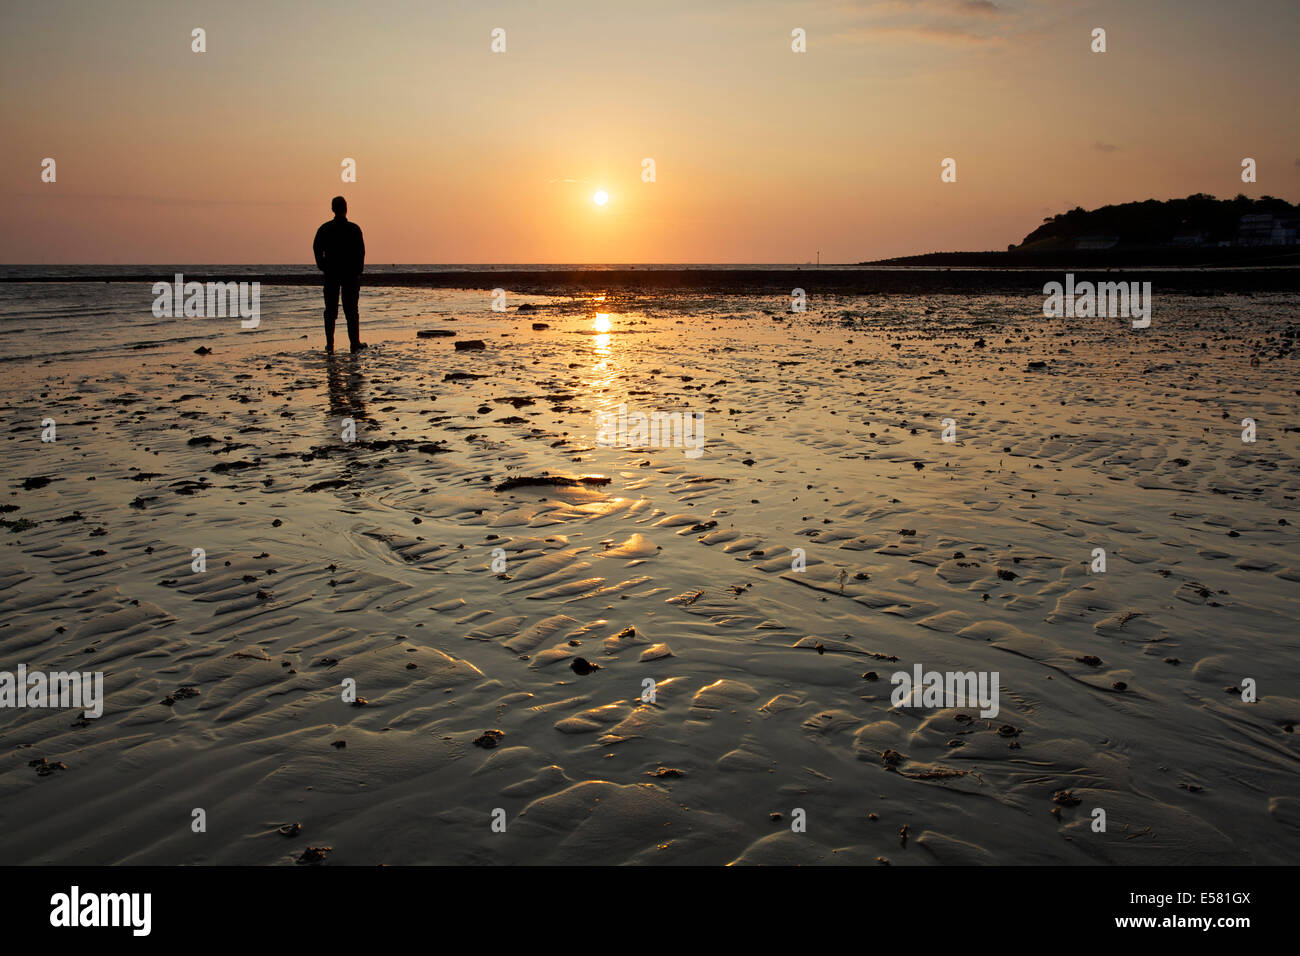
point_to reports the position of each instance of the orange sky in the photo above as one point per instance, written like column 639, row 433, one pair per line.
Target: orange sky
column 762, row 155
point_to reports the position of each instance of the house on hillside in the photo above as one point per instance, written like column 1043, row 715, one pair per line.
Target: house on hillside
column 1266, row 229
column 1286, row 232
column 1096, row 242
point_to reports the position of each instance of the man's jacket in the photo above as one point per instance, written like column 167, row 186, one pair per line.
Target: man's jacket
column 340, row 251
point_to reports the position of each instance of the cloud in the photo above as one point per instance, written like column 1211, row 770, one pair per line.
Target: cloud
column 1105, row 147
column 982, row 7
column 926, row 33
column 950, row 22
column 937, row 8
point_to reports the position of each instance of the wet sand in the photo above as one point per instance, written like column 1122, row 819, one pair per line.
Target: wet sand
column 373, row 561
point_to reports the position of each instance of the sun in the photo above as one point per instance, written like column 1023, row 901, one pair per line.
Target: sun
column 600, row 198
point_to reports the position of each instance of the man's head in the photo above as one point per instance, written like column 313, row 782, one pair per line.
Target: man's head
column 339, row 205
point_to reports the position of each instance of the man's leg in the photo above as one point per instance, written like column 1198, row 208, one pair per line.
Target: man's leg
column 351, row 293
column 331, row 312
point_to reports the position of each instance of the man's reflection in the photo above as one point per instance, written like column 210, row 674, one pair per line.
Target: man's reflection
column 346, row 386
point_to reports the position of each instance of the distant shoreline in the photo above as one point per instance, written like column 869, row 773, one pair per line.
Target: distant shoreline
column 839, row 280
column 1126, row 257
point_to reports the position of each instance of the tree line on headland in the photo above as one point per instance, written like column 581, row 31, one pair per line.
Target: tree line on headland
column 1198, row 230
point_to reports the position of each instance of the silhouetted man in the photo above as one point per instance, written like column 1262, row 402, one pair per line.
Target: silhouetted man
column 341, row 255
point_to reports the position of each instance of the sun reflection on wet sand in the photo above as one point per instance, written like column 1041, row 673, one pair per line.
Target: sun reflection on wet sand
column 605, row 369
column 602, row 339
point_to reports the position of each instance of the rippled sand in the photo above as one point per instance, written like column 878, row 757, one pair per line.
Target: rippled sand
column 373, row 561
